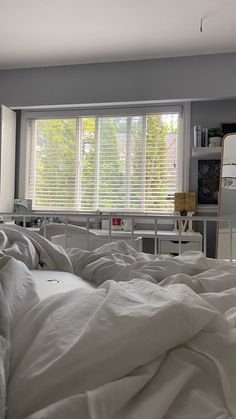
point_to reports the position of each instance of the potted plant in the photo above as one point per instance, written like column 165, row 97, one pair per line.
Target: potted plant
column 215, row 137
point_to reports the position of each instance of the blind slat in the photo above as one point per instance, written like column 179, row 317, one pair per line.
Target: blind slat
column 111, row 162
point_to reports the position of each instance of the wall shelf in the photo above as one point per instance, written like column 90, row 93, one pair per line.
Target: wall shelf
column 208, row 152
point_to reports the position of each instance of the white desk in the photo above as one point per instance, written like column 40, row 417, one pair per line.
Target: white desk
column 167, row 240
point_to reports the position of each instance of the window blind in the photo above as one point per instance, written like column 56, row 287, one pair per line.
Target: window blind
column 111, row 163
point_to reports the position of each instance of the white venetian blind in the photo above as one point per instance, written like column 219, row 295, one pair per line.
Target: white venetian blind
column 126, row 163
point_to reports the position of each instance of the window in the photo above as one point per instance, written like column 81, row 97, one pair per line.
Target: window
column 127, row 162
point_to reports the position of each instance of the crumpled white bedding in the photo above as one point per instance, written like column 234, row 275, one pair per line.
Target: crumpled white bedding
column 32, row 249
column 4, row 351
column 126, row 350
column 117, row 261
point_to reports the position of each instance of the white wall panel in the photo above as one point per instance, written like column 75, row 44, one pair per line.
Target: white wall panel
column 7, row 159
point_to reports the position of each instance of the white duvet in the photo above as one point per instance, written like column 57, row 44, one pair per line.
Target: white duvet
column 128, row 349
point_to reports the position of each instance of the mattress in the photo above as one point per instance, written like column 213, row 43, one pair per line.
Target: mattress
column 53, row 282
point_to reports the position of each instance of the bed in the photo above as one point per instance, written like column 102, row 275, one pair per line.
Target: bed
column 49, row 283
column 122, row 335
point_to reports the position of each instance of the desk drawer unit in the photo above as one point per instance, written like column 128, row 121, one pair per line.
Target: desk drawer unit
column 172, row 246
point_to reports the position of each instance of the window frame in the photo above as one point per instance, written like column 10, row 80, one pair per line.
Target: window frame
column 87, row 111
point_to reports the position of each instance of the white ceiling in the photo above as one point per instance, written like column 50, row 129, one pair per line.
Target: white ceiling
column 54, row 32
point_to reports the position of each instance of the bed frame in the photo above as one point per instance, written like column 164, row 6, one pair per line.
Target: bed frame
column 88, row 218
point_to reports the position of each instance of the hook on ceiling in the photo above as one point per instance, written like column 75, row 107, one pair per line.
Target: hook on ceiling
column 201, row 29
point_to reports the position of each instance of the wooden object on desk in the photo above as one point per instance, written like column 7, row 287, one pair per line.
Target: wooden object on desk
column 179, row 201
column 190, row 201
column 185, row 201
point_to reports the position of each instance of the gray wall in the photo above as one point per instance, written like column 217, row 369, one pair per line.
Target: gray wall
column 174, row 79
column 209, row 114
column 197, row 77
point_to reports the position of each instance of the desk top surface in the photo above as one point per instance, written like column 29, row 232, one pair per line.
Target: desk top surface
column 161, row 234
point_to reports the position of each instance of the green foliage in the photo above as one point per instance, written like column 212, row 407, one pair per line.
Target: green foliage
column 111, row 170
column 91, row 163
column 215, row 132
column 55, row 163
column 156, row 171
column 87, row 173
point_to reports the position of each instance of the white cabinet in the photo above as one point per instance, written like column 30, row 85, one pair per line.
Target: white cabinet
column 168, row 242
column 7, row 158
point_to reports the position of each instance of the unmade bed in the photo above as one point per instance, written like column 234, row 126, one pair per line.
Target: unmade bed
column 138, row 336
column 54, row 282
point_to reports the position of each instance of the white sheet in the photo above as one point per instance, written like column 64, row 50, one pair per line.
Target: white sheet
column 54, row 282
column 127, row 350
column 130, row 349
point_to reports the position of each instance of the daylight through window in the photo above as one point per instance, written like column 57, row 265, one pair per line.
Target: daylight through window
column 123, row 163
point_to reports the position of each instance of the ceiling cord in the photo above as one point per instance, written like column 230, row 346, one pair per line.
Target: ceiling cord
column 201, row 24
